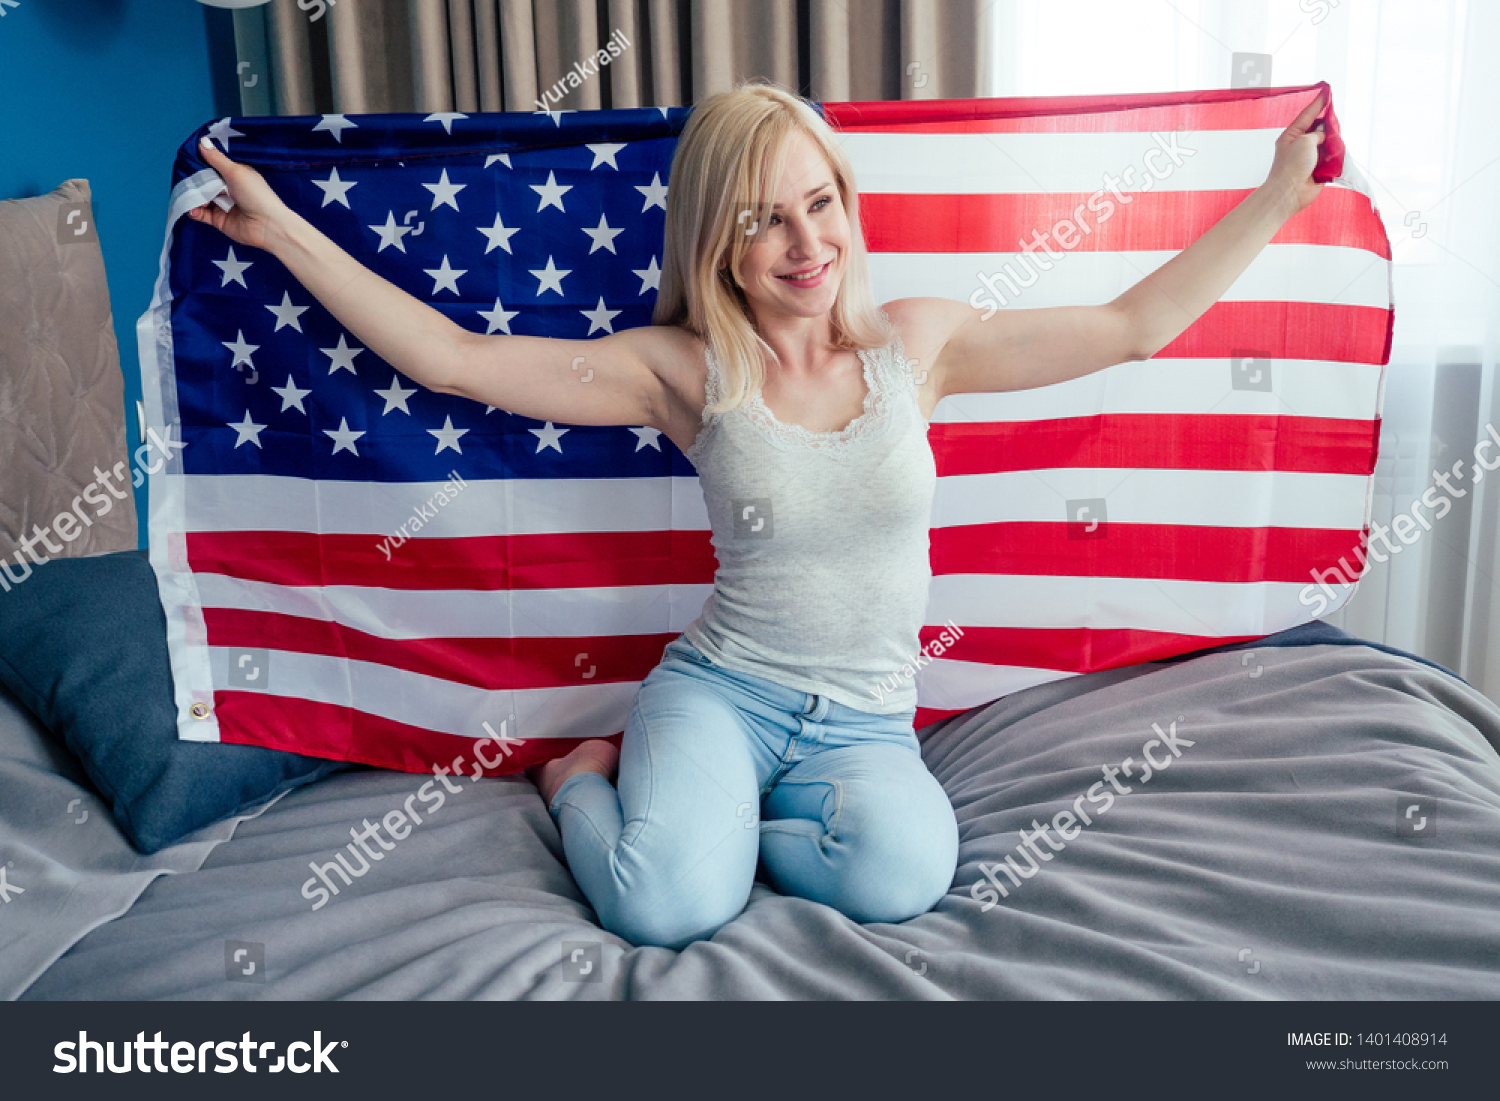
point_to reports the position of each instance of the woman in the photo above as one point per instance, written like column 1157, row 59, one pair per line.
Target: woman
column 776, row 729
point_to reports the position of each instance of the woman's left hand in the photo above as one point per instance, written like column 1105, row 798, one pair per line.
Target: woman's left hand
column 1290, row 178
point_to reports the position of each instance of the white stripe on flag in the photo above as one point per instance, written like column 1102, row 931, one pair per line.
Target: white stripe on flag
column 1009, row 164
column 1209, row 498
column 1293, row 272
column 949, row 685
column 1181, row 607
column 1211, row 608
column 1300, row 388
column 463, row 613
column 566, row 711
column 1228, row 498
column 540, row 506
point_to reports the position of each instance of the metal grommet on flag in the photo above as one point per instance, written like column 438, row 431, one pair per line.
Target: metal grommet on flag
column 199, row 710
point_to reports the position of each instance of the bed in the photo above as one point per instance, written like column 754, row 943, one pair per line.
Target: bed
column 1274, row 857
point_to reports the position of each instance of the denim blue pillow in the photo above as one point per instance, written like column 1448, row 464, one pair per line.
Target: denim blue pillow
column 83, row 644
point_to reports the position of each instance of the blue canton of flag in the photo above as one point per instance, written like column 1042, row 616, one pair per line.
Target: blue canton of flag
column 546, row 225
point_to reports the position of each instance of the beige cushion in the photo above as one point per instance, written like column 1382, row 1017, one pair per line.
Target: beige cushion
column 62, row 410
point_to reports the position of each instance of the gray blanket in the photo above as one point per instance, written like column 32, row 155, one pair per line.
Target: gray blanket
column 1319, row 822
column 65, row 867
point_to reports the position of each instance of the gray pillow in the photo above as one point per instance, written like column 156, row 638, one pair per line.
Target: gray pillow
column 62, row 403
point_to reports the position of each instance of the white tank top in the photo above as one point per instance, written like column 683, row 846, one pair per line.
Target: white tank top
column 822, row 541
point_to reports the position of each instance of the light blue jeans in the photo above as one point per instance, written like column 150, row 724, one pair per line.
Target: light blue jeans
column 720, row 771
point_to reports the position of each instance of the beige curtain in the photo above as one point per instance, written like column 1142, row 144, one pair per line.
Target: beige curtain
column 366, row 56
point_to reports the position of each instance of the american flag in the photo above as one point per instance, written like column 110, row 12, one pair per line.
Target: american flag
column 355, row 567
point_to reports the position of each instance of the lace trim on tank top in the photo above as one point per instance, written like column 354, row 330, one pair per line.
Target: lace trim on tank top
column 882, row 367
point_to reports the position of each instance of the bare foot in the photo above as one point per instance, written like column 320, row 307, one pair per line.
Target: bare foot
column 594, row 755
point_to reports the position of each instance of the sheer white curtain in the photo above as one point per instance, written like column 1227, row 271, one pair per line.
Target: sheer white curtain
column 1417, row 91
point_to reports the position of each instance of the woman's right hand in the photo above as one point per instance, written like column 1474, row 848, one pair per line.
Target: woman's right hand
column 258, row 216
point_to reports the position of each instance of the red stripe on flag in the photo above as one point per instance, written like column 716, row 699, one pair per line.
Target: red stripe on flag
column 1330, row 332
column 488, row 663
column 1071, row 649
column 1161, row 551
column 346, row 734
column 483, row 563
column 1152, row 220
column 1160, row 441
column 1143, row 112
column 926, row 716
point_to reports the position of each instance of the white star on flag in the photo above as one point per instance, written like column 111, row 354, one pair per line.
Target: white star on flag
column 241, row 350
column 395, row 397
column 233, row 269
column 247, row 431
column 287, row 314
column 503, row 158
column 343, row 438
column 551, row 192
column 291, row 395
column 551, row 277
column 499, row 318
column 221, row 132
column 655, row 192
column 549, row 437
column 447, row 436
column 646, row 437
column 444, row 193
column 498, row 235
column 391, row 233
column 336, row 190
column 599, row 318
column 602, row 236
column 444, row 277
column 336, row 125
column 342, row 356
column 446, row 118
column 555, row 116
column 605, row 154
column 650, row 277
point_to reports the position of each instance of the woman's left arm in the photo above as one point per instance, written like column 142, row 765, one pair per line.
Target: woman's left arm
column 1021, row 349
column 1167, row 301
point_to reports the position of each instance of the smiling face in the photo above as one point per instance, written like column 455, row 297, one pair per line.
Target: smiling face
column 794, row 267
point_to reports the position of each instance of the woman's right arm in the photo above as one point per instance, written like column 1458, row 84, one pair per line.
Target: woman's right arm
column 611, row 380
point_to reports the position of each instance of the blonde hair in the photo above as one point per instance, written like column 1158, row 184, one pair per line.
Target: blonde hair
column 730, row 158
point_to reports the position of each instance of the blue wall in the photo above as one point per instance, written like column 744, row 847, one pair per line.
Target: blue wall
column 106, row 90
